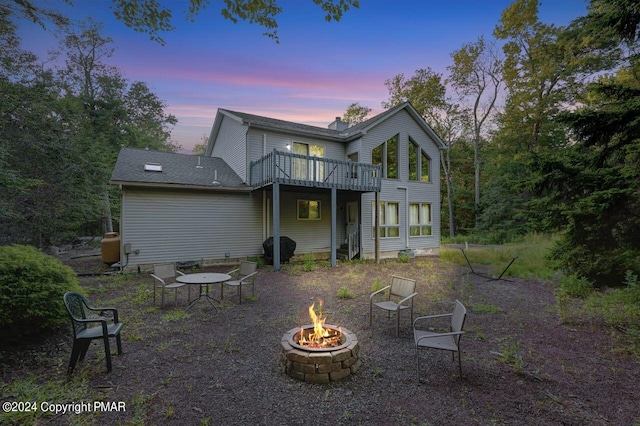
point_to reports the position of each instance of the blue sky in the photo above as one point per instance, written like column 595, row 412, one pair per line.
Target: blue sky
column 312, row 75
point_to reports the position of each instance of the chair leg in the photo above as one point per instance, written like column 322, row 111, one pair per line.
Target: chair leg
column 221, row 291
column 84, row 347
column 162, row 298
column 398, row 322
column 119, row 343
column 240, row 294
column 75, row 354
column 107, row 352
column 418, row 363
column 460, row 361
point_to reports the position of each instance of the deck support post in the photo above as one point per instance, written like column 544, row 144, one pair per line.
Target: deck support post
column 276, row 226
column 334, row 213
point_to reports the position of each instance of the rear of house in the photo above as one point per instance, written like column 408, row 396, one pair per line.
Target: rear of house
column 263, row 177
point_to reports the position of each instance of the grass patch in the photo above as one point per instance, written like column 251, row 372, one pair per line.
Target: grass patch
column 33, row 393
column 175, row 315
column 345, row 293
column 531, row 253
column 487, row 309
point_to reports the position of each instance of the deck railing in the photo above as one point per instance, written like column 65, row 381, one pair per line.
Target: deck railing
column 302, row 170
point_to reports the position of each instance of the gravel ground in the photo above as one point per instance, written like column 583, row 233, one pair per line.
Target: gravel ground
column 521, row 365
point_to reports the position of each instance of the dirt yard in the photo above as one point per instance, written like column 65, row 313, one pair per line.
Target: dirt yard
column 521, row 365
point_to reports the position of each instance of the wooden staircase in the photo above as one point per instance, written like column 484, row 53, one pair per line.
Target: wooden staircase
column 343, row 252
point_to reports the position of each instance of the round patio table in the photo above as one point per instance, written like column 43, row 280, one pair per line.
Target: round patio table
column 203, row 280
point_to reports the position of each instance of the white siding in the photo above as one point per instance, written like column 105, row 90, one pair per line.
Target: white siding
column 174, row 226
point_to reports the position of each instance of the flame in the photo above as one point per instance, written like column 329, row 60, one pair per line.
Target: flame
column 321, row 337
column 318, row 322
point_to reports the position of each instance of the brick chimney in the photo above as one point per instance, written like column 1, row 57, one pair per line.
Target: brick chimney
column 339, row 125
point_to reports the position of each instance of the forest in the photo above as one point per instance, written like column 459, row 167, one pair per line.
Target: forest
column 541, row 125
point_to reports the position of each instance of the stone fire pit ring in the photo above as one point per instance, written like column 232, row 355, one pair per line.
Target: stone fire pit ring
column 320, row 365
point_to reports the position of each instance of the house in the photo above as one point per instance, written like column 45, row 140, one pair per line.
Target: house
column 262, row 177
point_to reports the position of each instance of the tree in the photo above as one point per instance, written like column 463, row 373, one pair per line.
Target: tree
column 60, row 133
column 543, row 70
column 153, row 18
column 476, row 76
column 595, row 180
column 356, row 113
column 201, row 148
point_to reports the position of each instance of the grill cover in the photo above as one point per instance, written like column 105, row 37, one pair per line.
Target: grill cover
column 287, row 249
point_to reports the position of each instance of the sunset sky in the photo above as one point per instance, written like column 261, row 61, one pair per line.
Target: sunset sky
column 316, row 71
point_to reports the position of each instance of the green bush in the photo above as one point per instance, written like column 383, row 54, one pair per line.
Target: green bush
column 574, row 285
column 31, row 288
column 345, row 293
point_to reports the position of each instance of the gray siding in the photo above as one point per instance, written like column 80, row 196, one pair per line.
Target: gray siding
column 393, row 189
column 174, row 226
column 310, row 235
column 333, row 150
column 231, row 146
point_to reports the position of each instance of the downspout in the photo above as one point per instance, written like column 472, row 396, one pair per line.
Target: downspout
column 406, row 215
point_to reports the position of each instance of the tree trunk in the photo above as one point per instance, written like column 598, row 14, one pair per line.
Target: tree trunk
column 446, row 167
column 108, row 220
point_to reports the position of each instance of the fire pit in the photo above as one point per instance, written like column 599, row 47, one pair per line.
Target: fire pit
column 319, row 353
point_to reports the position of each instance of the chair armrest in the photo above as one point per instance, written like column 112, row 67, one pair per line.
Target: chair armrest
column 430, row 317
column 233, row 271
column 181, row 273
column 379, row 291
column 451, row 333
column 113, row 311
column 411, row 296
column 155, row 277
column 248, row 276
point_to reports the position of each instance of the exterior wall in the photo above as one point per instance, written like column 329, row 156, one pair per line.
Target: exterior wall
column 311, row 236
column 179, row 225
column 257, row 146
column 402, row 190
column 231, row 146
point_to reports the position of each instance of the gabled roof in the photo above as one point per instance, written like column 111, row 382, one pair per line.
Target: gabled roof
column 347, row 135
column 177, row 170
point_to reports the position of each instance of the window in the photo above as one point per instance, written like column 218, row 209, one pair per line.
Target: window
column 420, row 220
column 389, row 219
column 308, row 210
column 413, row 160
column 419, row 165
column 303, row 167
column 425, row 168
column 387, row 155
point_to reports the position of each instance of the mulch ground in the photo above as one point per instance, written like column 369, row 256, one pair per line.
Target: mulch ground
column 521, row 364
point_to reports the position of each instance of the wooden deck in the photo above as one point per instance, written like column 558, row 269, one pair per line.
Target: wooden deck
column 301, row 170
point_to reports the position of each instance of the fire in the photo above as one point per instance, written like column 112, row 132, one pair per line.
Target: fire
column 321, row 337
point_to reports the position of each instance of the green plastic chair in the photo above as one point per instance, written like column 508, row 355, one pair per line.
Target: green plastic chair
column 82, row 315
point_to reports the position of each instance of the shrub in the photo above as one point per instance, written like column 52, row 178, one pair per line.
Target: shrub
column 345, row 293
column 574, row 285
column 31, row 288
column 377, row 285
